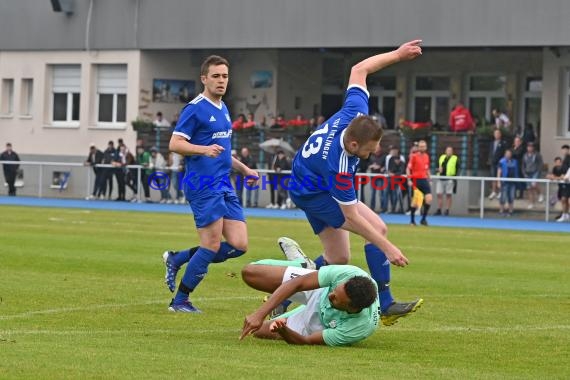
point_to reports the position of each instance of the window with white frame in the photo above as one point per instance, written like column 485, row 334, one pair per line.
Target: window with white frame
column 486, row 92
column 26, row 97
column 431, row 99
column 111, row 94
column 7, row 96
column 531, row 109
column 66, row 89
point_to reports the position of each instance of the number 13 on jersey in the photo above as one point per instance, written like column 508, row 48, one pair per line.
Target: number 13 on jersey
column 311, row 148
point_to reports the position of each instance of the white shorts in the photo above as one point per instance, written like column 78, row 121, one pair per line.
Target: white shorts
column 444, row 185
column 305, row 319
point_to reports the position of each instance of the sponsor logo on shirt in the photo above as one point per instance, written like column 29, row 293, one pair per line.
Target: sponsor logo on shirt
column 222, row 135
column 332, row 324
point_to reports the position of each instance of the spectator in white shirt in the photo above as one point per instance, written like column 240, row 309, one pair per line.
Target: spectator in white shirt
column 160, row 121
column 501, row 119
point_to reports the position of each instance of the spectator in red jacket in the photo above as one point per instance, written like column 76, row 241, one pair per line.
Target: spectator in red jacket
column 461, row 120
column 238, row 124
column 250, row 123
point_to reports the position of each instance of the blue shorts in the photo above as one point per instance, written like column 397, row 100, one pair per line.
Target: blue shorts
column 321, row 210
column 423, row 186
column 220, row 204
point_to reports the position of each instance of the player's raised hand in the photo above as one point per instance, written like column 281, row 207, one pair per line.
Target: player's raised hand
column 396, row 257
column 213, row 151
column 409, row 50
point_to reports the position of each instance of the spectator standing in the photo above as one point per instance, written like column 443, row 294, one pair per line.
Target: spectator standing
column 518, row 153
column 532, row 165
column 558, row 174
column 496, row 153
column 10, row 170
column 397, row 171
column 247, row 160
column 160, row 121
column 239, row 122
column 528, row 134
column 250, row 122
column 501, row 119
column 108, row 157
column 95, row 157
column 460, row 119
column 389, row 189
column 448, row 167
column 279, row 123
column 362, row 168
column 565, row 157
column 377, row 166
column 143, row 159
column 176, row 165
column 508, row 168
column 158, row 165
column 131, row 177
column 119, row 163
column 281, row 164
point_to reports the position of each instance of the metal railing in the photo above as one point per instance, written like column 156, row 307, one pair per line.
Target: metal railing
column 89, row 180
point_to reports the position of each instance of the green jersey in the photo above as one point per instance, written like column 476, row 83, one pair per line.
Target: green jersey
column 342, row 328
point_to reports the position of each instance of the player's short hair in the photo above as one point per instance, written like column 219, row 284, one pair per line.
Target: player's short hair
column 364, row 129
column 361, row 291
column 213, row 60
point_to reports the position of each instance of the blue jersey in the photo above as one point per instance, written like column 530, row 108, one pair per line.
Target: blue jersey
column 202, row 122
column 317, row 165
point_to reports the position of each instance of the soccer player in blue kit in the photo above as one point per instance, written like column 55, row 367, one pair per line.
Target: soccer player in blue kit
column 331, row 207
column 203, row 136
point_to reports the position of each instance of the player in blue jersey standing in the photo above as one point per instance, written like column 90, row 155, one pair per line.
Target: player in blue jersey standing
column 321, row 185
column 203, row 136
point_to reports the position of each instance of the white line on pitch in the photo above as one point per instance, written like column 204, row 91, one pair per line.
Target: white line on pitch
column 114, row 305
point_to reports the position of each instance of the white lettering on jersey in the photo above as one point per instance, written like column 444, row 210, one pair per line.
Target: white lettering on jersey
column 222, row 135
column 329, row 139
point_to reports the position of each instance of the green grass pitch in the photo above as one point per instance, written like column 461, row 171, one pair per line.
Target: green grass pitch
column 82, row 296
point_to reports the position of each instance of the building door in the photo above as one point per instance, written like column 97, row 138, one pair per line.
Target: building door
column 532, row 107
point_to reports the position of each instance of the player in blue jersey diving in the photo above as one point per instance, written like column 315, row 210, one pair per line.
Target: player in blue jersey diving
column 324, row 166
column 203, row 136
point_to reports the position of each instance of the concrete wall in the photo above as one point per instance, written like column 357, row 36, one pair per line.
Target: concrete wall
column 300, row 76
column 174, row 24
column 242, row 97
column 35, row 134
column 168, row 64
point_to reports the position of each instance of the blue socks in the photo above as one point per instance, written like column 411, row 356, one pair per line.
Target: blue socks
column 198, row 260
column 320, row 262
column 182, row 257
column 225, row 252
column 379, row 267
column 195, row 272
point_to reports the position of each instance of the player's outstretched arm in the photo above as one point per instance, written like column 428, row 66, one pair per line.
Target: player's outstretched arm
column 180, row 145
column 361, row 70
column 254, row 321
